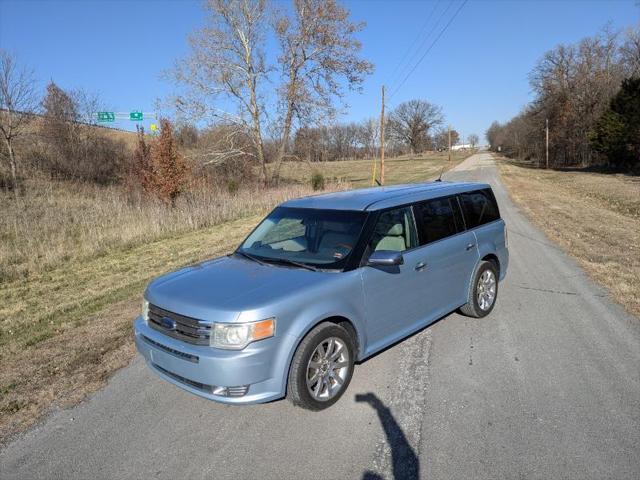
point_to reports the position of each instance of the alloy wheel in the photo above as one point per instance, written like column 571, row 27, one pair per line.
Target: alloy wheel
column 328, row 369
column 486, row 290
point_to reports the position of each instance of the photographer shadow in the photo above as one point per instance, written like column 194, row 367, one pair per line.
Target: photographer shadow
column 405, row 463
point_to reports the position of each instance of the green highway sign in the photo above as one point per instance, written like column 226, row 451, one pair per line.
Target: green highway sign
column 135, row 116
column 106, row 117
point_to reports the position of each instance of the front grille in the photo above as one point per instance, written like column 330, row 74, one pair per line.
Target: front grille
column 178, row 326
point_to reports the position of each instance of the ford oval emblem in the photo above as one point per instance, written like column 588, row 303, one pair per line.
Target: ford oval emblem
column 168, row 323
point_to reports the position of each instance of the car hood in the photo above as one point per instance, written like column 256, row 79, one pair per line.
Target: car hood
column 218, row 290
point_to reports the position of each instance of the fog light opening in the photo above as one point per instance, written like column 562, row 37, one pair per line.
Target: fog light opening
column 238, row 391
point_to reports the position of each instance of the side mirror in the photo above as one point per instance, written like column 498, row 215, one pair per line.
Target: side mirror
column 385, row 258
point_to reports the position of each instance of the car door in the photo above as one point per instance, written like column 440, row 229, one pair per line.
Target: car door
column 481, row 215
column 449, row 252
column 392, row 301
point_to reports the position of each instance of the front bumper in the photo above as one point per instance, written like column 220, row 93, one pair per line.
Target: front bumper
column 262, row 366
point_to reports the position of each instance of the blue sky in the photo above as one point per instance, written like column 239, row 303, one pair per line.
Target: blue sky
column 477, row 71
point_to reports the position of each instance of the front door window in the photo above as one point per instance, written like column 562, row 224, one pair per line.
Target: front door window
column 395, row 230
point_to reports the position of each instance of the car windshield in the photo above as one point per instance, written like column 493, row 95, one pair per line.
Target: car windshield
column 310, row 237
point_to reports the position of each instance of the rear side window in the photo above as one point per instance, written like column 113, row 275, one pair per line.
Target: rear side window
column 479, row 207
column 439, row 218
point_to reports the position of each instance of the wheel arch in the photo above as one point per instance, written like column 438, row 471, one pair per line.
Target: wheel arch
column 487, row 257
column 343, row 321
column 493, row 258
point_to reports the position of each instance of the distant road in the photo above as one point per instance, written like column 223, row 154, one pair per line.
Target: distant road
column 547, row 386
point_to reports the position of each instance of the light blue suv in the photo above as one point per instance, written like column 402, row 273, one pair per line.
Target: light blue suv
column 321, row 283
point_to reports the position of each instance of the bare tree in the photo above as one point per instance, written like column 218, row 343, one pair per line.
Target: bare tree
column 317, row 58
column 411, row 121
column 88, row 104
column 441, row 139
column 493, row 135
column 60, row 128
column 455, row 137
column 74, row 149
column 318, row 53
column 473, row 140
column 18, row 100
column 310, row 143
column 630, row 52
column 369, row 132
column 227, row 63
column 224, row 143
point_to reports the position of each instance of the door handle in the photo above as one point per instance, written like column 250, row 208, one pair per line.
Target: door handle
column 420, row 266
column 470, row 246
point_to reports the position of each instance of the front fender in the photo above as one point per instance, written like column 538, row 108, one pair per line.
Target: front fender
column 342, row 298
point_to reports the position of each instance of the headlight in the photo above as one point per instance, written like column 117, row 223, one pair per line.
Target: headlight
column 236, row 336
column 145, row 310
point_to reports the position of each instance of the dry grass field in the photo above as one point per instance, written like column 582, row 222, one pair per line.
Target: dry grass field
column 404, row 169
column 57, row 222
column 595, row 217
column 74, row 260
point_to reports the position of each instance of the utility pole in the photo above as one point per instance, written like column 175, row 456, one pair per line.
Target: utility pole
column 547, row 131
column 382, row 140
column 373, row 172
column 449, row 142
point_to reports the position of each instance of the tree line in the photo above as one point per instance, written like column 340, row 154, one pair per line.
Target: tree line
column 412, row 127
column 590, row 95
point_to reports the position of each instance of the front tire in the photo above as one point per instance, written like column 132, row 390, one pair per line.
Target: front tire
column 322, row 367
column 483, row 291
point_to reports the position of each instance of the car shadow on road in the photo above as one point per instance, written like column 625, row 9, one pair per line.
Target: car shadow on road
column 404, row 461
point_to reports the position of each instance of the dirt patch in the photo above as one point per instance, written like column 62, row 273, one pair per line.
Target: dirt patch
column 64, row 369
column 594, row 217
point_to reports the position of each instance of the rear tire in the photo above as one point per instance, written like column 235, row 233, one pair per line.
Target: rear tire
column 483, row 291
column 321, row 368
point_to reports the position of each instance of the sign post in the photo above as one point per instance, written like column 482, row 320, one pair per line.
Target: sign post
column 135, row 116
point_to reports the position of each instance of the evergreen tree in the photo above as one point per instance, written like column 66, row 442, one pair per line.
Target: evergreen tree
column 617, row 132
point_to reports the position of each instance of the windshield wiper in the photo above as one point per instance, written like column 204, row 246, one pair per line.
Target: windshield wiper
column 250, row 257
column 286, row 261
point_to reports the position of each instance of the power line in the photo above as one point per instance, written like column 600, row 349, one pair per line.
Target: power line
column 430, row 47
column 425, row 40
column 397, row 70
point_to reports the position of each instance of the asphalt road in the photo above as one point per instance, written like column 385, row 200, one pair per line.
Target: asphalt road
column 547, row 386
